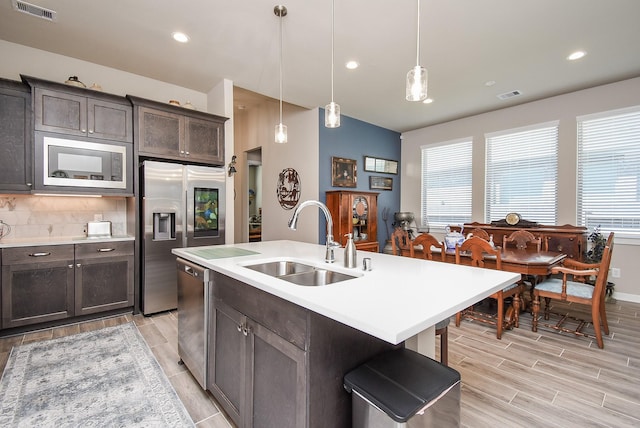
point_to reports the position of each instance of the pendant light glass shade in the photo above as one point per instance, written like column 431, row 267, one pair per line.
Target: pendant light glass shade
column 281, row 130
column 332, row 115
column 417, row 76
column 417, row 84
column 332, row 110
column 281, row 133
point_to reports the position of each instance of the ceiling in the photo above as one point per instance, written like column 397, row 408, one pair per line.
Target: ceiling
column 519, row 44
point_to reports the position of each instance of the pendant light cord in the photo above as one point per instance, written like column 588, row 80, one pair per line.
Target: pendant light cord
column 333, row 19
column 418, row 37
column 280, row 67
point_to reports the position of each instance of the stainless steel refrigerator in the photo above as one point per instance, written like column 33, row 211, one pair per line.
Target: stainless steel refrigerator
column 182, row 206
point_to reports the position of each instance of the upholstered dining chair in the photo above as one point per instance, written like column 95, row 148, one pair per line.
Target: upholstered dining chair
column 427, row 242
column 400, row 242
column 523, row 240
column 477, row 248
column 577, row 291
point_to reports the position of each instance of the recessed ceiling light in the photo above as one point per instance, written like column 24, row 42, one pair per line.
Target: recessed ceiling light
column 352, row 65
column 576, row 55
column 180, row 37
column 490, row 83
column 428, row 101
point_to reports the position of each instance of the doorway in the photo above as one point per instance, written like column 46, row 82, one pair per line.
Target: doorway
column 254, row 162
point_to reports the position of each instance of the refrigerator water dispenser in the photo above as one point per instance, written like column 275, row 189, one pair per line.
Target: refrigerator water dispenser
column 164, row 226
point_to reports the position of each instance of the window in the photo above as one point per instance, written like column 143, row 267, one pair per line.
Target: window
column 446, row 183
column 609, row 170
column 522, row 173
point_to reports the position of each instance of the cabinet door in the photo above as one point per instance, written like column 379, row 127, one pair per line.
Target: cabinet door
column 37, row 285
column 276, row 391
column 203, row 141
column 103, row 277
column 15, row 151
column 565, row 243
column 161, row 133
column 60, row 112
column 110, row 121
column 227, row 359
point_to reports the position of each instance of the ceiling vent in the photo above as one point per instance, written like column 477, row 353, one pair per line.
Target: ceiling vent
column 508, row 95
column 33, row 10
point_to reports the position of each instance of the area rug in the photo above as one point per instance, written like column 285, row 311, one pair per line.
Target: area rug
column 103, row 378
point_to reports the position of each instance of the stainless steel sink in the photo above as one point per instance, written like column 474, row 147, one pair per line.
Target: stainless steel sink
column 300, row 273
column 317, row 277
column 280, row 268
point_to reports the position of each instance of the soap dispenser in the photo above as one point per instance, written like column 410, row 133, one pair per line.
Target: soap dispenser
column 350, row 257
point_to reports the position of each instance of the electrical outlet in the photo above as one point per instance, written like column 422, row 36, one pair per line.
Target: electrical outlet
column 615, row 272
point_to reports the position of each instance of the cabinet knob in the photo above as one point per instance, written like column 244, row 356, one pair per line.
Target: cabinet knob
column 71, row 266
column 79, row 264
column 181, row 152
column 186, row 153
column 83, row 130
column 239, row 327
column 91, row 131
column 246, row 330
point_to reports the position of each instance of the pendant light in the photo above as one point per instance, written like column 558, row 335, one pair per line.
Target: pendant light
column 281, row 130
column 417, row 76
column 332, row 110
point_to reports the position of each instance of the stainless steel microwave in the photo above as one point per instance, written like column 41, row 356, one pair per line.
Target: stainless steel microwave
column 76, row 163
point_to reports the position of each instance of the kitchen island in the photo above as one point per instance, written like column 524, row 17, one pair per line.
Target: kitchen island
column 278, row 351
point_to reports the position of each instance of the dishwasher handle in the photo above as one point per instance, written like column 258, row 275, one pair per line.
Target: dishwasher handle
column 193, row 270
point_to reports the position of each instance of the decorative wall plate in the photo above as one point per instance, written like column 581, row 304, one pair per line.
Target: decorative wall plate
column 288, row 188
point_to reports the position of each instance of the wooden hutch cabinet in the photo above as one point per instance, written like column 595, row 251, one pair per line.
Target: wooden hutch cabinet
column 355, row 212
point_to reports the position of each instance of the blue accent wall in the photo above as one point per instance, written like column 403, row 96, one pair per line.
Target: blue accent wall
column 355, row 139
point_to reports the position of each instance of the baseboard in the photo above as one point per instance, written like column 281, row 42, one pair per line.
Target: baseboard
column 626, row 297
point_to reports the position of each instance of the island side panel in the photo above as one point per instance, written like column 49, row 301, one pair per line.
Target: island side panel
column 334, row 350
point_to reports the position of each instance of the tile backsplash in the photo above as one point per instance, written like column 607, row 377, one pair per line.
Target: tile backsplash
column 60, row 216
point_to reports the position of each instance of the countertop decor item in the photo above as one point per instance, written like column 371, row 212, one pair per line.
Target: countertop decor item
column 73, row 81
column 109, row 377
column 174, row 102
column 96, row 87
column 5, row 229
column 188, row 105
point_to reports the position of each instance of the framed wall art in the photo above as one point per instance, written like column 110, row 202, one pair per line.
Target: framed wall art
column 380, row 183
column 387, row 166
column 343, row 172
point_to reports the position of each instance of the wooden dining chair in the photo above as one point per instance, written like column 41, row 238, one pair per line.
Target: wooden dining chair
column 577, row 290
column 477, row 248
column 522, row 240
column 400, row 242
column 480, row 233
column 428, row 242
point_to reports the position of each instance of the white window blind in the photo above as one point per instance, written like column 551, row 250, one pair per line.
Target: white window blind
column 609, row 171
column 522, row 173
column 446, row 184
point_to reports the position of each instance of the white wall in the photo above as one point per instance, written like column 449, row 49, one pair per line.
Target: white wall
column 254, row 128
column 564, row 108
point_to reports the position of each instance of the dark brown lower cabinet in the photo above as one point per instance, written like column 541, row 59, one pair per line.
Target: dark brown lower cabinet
column 103, row 276
column 275, row 364
column 37, row 284
column 49, row 283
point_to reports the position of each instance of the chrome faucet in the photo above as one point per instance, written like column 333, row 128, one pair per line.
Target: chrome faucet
column 331, row 244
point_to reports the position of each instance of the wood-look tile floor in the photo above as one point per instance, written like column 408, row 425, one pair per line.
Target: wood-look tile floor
column 543, row 379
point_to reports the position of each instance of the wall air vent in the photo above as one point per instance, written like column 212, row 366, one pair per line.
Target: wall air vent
column 508, row 95
column 33, row 10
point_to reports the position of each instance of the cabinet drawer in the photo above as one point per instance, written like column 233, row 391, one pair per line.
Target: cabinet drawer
column 104, row 249
column 286, row 319
column 37, row 254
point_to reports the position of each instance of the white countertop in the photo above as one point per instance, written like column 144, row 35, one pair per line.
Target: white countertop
column 58, row 240
column 399, row 298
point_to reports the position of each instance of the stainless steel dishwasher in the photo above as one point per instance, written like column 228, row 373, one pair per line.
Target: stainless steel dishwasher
column 193, row 318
